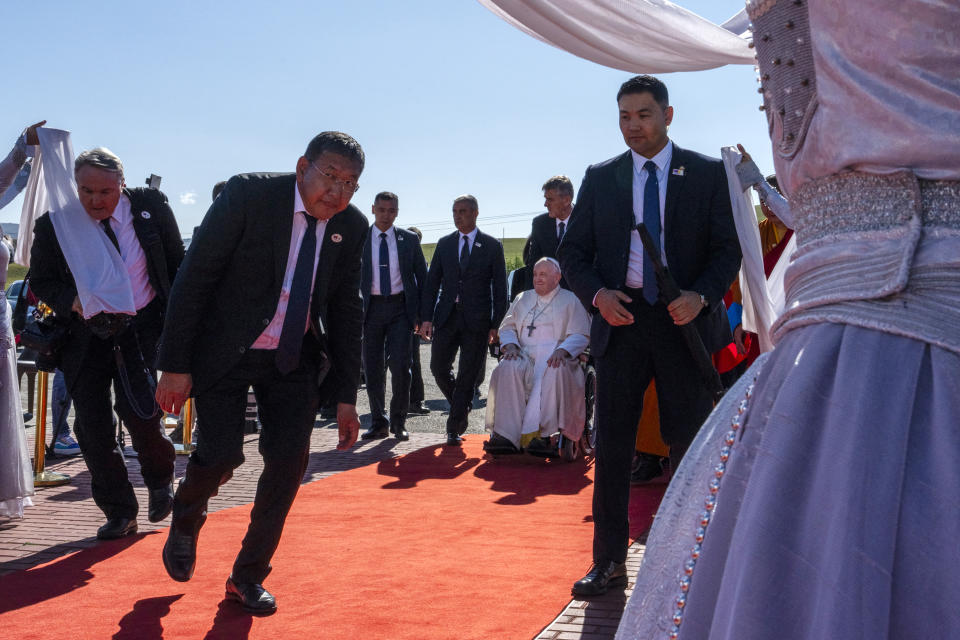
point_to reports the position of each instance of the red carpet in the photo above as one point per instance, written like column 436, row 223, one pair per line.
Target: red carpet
column 436, row 544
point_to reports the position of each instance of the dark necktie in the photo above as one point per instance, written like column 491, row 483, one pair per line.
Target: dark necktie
column 295, row 320
column 651, row 220
column 561, row 229
column 384, row 266
column 110, row 234
column 464, row 258
column 464, row 254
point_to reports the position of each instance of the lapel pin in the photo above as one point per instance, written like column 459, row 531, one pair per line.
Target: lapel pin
column 145, row 215
column 336, row 237
column 679, row 171
column 477, row 244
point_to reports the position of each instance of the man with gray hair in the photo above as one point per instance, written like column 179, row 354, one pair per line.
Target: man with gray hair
column 548, row 228
column 464, row 300
column 138, row 225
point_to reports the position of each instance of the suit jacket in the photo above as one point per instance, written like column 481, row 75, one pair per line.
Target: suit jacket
column 543, row 238
column 543, row 243
column 52, row 282
column 700, row 240
column 229, row 285
column 413, row 270
column 483, row 295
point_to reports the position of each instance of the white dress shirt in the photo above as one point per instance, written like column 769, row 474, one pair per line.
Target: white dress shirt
column 270, row 337
column 134, row 259
column 640, row 175
column 396, row 282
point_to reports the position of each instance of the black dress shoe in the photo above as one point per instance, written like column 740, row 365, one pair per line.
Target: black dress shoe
column 252, row 597
column 117, row 528
column 543, row 447
column 374, row 433
column 418, row 409
column 646, row 467
column 454, row 440
column 180, row 555
column 400, row 434
column 159, row 502
column 600, row 578
column 498, row 445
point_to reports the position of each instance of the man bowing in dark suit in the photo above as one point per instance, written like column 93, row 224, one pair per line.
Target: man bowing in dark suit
column 394, row 272
column 267, row 297
column 469, row 266
column 682, row 199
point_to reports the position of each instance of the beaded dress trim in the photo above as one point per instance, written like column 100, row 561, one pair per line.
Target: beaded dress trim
column 709, row 506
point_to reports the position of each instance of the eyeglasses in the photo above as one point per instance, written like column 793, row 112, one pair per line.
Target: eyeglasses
column 347, row 185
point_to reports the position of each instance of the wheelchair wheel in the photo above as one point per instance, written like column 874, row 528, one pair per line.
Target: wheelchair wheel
column 570, row 450
column 588, row 441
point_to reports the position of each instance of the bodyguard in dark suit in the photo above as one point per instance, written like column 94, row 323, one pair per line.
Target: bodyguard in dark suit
column 682, row 198
column 267, row 297
column 394, row 272
column 140, row 224
column 549, row 228
column 469, row 272
column 546, row 232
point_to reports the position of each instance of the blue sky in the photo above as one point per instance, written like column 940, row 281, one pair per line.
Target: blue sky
column 444, row 97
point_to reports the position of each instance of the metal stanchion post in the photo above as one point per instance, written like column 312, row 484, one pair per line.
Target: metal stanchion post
column 187, row 413
column 42, row 477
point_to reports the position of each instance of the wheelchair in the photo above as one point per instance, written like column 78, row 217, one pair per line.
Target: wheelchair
column 567, row 449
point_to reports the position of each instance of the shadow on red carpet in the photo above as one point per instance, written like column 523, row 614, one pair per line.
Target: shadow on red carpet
column 471, row 548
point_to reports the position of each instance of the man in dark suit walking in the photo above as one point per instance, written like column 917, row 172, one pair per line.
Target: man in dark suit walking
column 546, row 232
column 394, row 272
column 268, row 297
column 682, row 199
column 469, row 266
column 139, row 225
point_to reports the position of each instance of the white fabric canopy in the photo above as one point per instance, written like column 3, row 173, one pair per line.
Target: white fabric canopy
column 639, row 36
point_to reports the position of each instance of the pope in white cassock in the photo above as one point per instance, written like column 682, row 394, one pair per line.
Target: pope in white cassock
column 537, row 389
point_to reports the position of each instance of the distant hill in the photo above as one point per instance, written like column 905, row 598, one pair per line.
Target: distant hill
column 11, row 229
column 512, row 252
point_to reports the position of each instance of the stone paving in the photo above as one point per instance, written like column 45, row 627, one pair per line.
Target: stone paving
column 64, row 519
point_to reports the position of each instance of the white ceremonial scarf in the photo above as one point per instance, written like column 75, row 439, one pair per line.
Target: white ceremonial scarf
column 763, row 297
column 640, row 36
column 103, row 283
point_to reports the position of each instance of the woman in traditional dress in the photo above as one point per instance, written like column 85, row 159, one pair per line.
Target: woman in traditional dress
column 821, row 499
column 16, row 475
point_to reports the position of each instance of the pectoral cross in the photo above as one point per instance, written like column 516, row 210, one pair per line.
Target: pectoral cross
column 530, row 329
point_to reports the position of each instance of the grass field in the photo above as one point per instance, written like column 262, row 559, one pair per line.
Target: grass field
column 512, row 252
column 15, row 272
